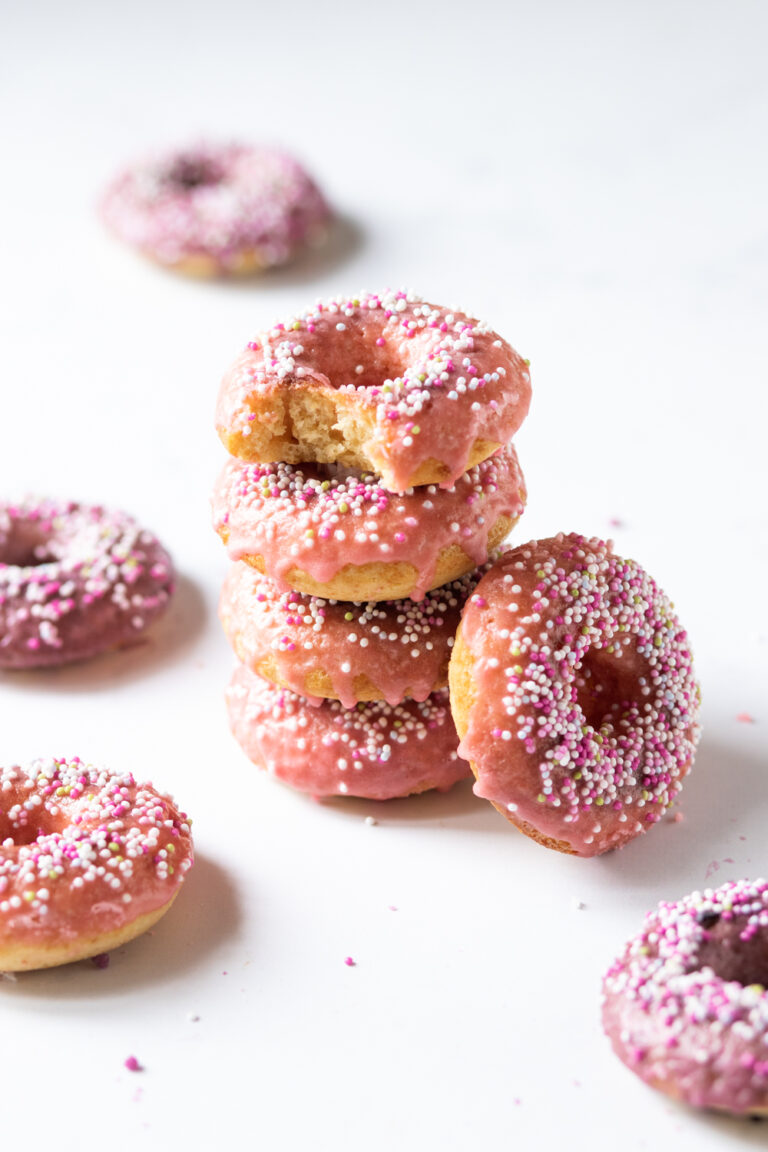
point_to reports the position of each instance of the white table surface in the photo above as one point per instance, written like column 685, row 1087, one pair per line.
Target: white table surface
column 591, row 179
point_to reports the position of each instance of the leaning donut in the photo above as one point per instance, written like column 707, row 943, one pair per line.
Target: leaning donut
column 216, row 209
column 373, row 751
column 327, row 532
column 385, row 383
column 573, row 690
column 385, row 650
column 89, row 859
column 685, row 1005
column 75, row 580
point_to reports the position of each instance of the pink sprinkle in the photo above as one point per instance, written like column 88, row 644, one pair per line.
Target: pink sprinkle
column 350, row 963
column 133, row 1065
column 615, row 522
column 100, row 961
column 745, row 718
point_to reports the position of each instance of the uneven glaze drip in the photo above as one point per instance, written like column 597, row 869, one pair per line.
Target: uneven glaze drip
column 400, row 646
column 435, row 379
column 83, row 851
column 373, row 751
column 585, row 717
column 217, row 201
column 75, row 580
column 319, row 520
column 675, row 1017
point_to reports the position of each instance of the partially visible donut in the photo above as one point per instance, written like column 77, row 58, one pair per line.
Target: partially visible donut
column 373, row 751
column 685, row 1006
column 75, row 580
column 89, row 859
column 340, row 535
column 346, row 651
column 384, row 383
column 573, row 691
column 217, row 209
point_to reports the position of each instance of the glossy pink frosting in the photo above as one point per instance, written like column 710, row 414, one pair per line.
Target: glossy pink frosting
column 401, row 646
column 372, row 751
column 435, row 379
column 83, row 851
column 216, row 201
column 75, row 580
column 319, row 519
column 685, row 1005
column 585, row 718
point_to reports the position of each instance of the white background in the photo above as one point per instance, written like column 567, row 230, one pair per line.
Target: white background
column 592, row 180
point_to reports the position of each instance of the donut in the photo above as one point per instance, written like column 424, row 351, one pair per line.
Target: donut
column 89, row 859
column 75, row 580
column 374, row 751
column 573, row 691
column 216, row 209
column 685, row 1005
column 384, row 650
column 327, row 532
column 384, row 383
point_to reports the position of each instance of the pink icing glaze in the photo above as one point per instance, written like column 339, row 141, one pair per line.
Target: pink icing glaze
column 401, row 646
column 436, row 379
column 685, row 1006
column 321, row 519
column 75, row 580
column 83, row 851
column 373, row 751
column 217, row 201
column 585, row 718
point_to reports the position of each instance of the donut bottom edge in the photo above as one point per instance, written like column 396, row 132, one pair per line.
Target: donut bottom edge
column 301, row 424
column 385, row 580
column 318, row 682
column 22, row 957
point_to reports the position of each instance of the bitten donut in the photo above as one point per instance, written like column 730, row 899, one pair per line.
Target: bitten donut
column 685, row 1006
column 217, row 209
column 346, row 651
column 388, row 384
column 327, row 532
column 89, row 859
column 75, row 580
column 573, row 690
column 373, row 751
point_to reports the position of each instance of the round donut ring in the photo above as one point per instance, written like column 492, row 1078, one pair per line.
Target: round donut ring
column 89, row 859
column 573, row 690
column 387, row 384
column 386, row 650
column 685, row 1006
column 75, row 580
column 327, row 533
column 373, row 751
column 217, row 210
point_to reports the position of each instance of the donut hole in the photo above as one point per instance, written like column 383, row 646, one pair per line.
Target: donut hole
column 26, row 545
column 188, row 172
column 730, row 956
column 25, row 829
column 601, row 690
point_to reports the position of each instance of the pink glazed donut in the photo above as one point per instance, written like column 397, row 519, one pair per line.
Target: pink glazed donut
column 373, row 751
column 341, row 535
column 388, row 384
column 217, row 209
column 389, row 649
column 573, row 691
column 88, row 860
column 75, row 580
column 685, row 1006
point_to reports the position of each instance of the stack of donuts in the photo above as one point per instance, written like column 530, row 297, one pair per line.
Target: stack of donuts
column 371, row 475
